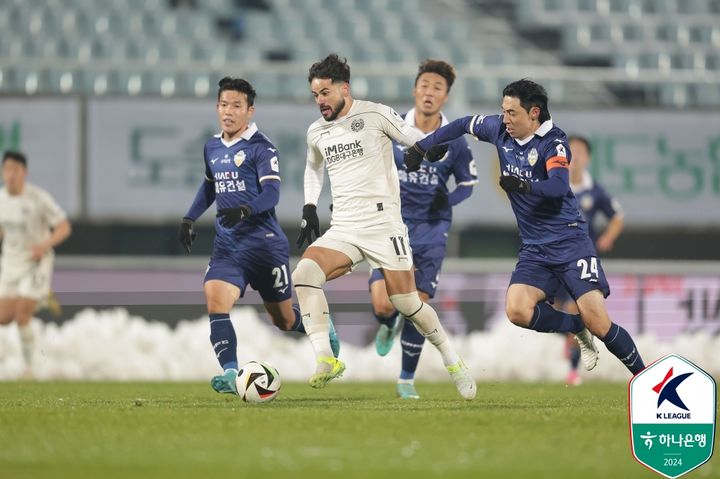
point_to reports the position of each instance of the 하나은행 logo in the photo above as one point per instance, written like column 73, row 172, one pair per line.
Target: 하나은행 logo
column 672, row 416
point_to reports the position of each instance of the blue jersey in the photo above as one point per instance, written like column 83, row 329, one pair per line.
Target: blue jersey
column 237, row 170
column 540, row 219
column 418, row 188
column 594, row 200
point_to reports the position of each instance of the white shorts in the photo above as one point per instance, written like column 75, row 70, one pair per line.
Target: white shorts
column 383, row 246
column 32, row 281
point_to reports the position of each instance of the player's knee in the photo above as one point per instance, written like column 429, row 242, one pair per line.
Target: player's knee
column 308, row 273
column 408, row 304
column 383, row 308
column 519, row 315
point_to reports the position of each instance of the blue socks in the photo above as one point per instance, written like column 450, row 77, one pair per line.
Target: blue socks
column 574, row 354
column 298, row 324
column 619, row 342
column 223, row 340
column 411, row 341
column 388, row 321
column 547, row 319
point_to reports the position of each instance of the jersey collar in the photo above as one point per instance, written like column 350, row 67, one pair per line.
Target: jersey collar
column 410, row 120
column 546, row 126
column 246, row 135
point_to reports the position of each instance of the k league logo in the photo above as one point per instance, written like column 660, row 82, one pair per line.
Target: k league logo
column 672, row 416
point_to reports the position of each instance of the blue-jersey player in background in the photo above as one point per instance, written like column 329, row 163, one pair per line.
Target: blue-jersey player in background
column 556, row 248
column 242, row 175
column 427, row 212
column 595, row 203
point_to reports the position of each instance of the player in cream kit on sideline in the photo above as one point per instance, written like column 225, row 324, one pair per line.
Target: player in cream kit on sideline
column 353, row 140
column 32, row 224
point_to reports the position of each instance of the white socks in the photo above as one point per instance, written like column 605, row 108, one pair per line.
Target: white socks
column 27, row 342
column 426, row 321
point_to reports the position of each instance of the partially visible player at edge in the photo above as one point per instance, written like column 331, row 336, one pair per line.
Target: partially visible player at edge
column 427, row 212
column 353, row 140
column 242, row 174
column 556, row 248
column 32, row 224
column 594, row 201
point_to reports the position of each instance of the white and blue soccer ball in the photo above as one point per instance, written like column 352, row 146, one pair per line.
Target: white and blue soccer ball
column 258, row 382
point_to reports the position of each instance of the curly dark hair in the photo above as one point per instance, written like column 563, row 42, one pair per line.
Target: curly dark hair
column 444, row 69
column 15, row 156
column 237, row 84
column 332, row 67
column 530, row 94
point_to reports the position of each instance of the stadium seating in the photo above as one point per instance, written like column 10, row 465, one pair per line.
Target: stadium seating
column 81, row 46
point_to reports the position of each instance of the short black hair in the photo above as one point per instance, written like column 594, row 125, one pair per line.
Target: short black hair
column 581, row 139
column 237, row 84
column 444, row 69
column 15, row 156
column 530, row 94
column 332, row 67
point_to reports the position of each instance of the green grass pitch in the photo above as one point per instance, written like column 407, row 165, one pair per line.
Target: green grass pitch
column 348, row 430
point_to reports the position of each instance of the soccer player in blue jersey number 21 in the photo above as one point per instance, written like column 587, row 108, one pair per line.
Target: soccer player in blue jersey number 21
column 426, row 207
column 242, row 175
column 556, row 248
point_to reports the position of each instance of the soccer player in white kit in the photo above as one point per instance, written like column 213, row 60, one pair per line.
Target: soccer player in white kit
column 32, row 224
column 353, row 139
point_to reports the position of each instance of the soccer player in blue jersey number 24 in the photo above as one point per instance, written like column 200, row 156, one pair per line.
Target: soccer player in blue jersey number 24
column 242, row 174
column 556, row 248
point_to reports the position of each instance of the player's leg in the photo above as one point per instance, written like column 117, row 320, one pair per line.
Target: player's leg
column 617, row 340
column 25, row 308
column 384, row 312
column 405, row 298
column 564, row 302
column 8, row 306
column 525, row 306
column 220, row 297
column 318, row 265
column 411, row 342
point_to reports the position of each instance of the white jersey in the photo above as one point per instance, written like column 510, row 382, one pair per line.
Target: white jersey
column 26, row 220
column 357, row 151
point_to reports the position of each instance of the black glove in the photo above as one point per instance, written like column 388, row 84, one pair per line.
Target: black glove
column 413, row 157
column 309, row 225
column 187, row 233
column 440, row 201
column 513, row 184
column 437, row 152
column 229, row 217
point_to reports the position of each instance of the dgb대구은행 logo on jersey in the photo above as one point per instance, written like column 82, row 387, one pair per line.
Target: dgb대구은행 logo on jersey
column 672, row 416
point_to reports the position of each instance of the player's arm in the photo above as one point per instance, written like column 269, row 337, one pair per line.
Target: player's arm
column 205, row 195
column 556, row 186
column 394, row 126
column 61, row 228
column 612, row 209
column 312, row 185
column 267, row 167
column 484, row 128
column 465, row 173
column 204, row 198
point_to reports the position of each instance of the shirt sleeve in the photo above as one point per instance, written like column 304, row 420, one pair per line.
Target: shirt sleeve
column 314, row 173
column 267, row 163
column 464, row 168
column 394, row 126
column 52, row 211
column 607, row 204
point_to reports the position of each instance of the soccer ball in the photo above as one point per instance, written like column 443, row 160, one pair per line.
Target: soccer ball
column 257, row 381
